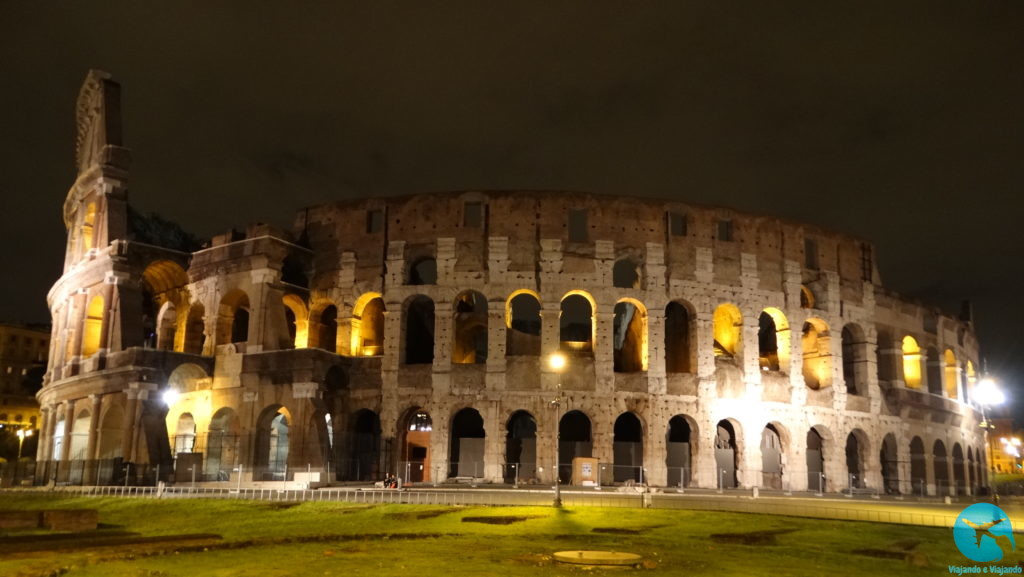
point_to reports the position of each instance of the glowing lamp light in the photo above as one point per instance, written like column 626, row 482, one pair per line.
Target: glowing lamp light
column 170, row 397
column 557, row 361
column 988, row 394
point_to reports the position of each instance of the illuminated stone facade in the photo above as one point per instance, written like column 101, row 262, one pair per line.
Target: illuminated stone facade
column 408, row 335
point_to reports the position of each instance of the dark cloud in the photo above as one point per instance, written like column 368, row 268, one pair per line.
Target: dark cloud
column 897, row 122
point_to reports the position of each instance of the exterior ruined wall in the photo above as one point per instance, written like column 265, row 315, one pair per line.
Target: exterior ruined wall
column 522, row 242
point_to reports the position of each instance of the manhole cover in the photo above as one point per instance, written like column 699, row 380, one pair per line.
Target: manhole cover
column 597, row 558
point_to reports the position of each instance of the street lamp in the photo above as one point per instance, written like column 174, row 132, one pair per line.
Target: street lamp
column 557, row 362
column 22, row 433
column 988, row 394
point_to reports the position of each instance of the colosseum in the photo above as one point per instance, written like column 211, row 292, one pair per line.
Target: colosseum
column 412, row 336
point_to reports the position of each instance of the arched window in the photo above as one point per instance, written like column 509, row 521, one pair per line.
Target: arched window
column 629, row 338
column 854, row 368
column 423, row 272
column 233, row 318
column 576, row 325
column 678, row 354
column 419, row 331
column 951, row 374
column 195, row 335
column 773, row 340
column 469, row 341
column 727, row 324
column 92, row 327
column 89, row 227
column 328, row 329
column 368, row 326
column 625, row 274
column 911, row 363
column 522, row 323
column 817, row 368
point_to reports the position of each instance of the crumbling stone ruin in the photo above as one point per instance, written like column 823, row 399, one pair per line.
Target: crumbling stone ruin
column 410, row 336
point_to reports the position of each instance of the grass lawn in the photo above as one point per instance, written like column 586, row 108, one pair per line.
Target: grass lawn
column 283, row 539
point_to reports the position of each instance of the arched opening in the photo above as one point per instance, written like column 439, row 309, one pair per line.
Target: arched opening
column 970, row 379
column 972, row 479
column 469, row 339
column 918, row 466
column 108, row 445
column 807, row 299
column 195, row 334
column 726, row 455
column 89, row 227
column 679, row 450
column 368, row 328
column 628, row 449
column 940, row 461
column 92, row 328
column 817, row 365
column 80, row 436
column 184, row 434
column 576, row 324
column 911, row 363
column 856, row 447
column 934, row 363
column 950, row 376
column 727, row 324
column 815, row 460
column 233, row 318
column 58, row 439
column 773, row 340
column 521, row 447
column 886, row 351
column 296, row 321
column 771, row 457
column 625, row 274
column 574, row 441
column 161, row 281
column 959, row 477
column 293, row 273
column 890, row 465
column 854, row 360
column 419, row 331
column 365, row 446
column 327, row 329
column 629, row 338
column 423, row 272
column 678, row 353
column 273, row 443
column 522, row 323
column 166, row 327
column 415, row 463
column 466, row 445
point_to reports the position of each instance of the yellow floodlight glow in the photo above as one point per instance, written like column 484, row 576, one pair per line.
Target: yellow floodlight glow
column 988, row 394
column 557, row 361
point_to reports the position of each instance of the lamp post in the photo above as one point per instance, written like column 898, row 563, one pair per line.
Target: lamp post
column 22, row 433
column 988, row 394
column 557, row 362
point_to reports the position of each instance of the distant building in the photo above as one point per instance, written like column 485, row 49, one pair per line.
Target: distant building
column 23, row 353
column 706, row 347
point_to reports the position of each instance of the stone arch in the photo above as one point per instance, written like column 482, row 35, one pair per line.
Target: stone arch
column 522, row 324
column 233, row 318
column 273, row 442
column 628, row 448
column 575, row 440
column 368, row 325
column 934, row 364
column 817, row 358
column 970, row 379
column 466, row 444
column 626, row 274
column 889, row 460
column 166, row 326
column 773, row 340
column 576, row 323
column 296, row 320
column 940, row 464
column 88, row 230
column 679, row 354
column 629, row 337
column 727, row 326
column 918, row 466
column 422, row 271
column 469, row 336
column 222, row 443
column 365, row 446
column 854, row 351
column 818, row 443
column 80, row 436
column 774, row 440
column 911, row 363
column 327, row 327
column 416, row 430
column 807, row 298
column 418, row 337
column 195, row 329
column 187, row 378
column 184, row 440
column 959, row 477
column 886, row 352
column 727, row 453
column 857, row 451
column 92, row 326
column 950, row 374
column 520, row 447
column 682, row 443
column 108, row 445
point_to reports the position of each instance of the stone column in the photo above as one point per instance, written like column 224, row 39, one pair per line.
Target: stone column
column 656, row 351
column 703, row 342
column 90, row 450
column 69, row 425
column 496, row 346
column 655, row 450
column 443, row 336
column 604, row 360
column 794, row 467
column 751, row 357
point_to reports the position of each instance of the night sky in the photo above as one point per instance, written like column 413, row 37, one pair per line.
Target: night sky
column 899, row 122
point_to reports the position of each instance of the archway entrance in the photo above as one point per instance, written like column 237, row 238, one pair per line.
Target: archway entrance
column 679, row 451
column 466, row 450
column 725, row 455
column 941, row 468
column 628, row 449
column 854, row 462
column 815, row 461
column 890, row 466
column 771, row 458
column 365, row 460
column 918, row 468
column 272, row 443
column 415, row 464
column 521, row 447
column 574, row 441
column 222, row 444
